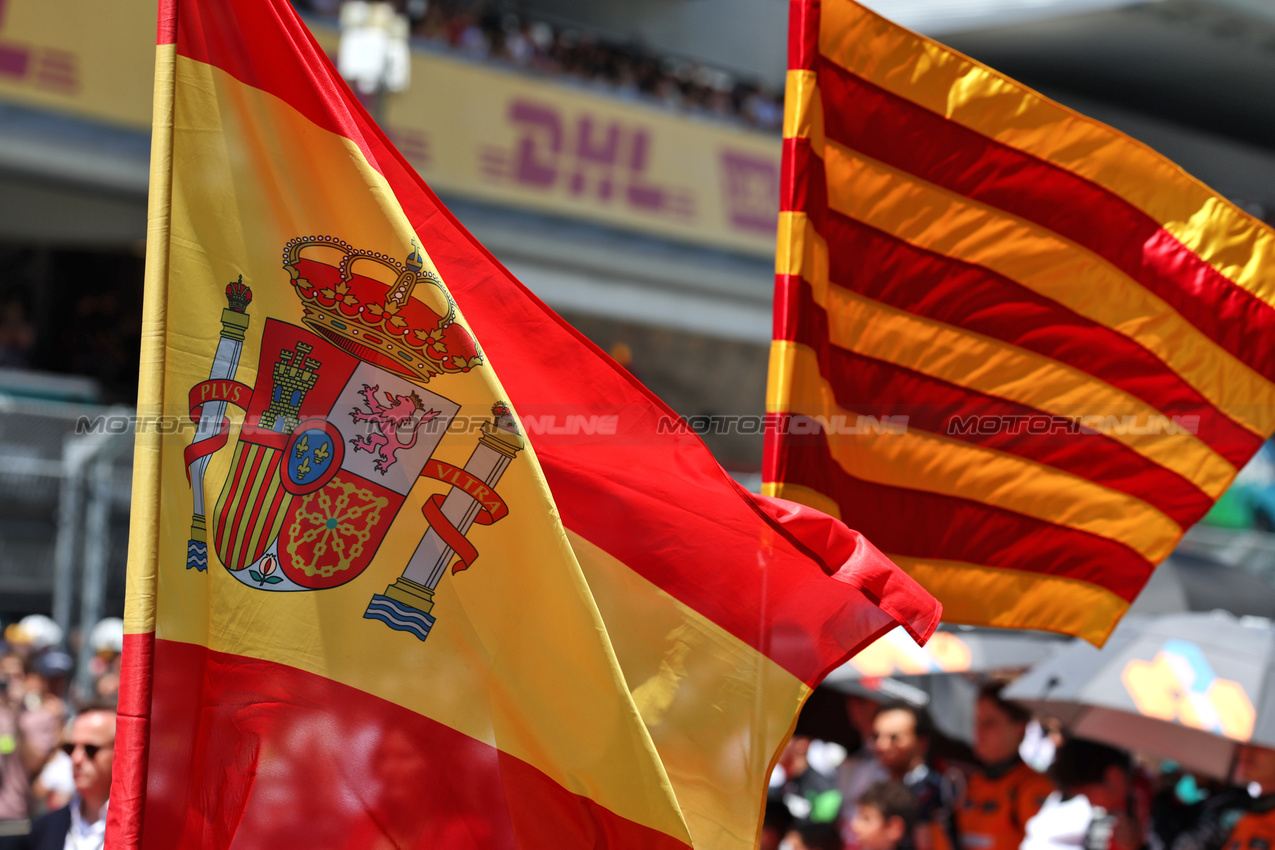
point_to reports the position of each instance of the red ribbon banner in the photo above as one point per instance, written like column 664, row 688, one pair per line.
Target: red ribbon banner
column 491, row 508
column 217, row 389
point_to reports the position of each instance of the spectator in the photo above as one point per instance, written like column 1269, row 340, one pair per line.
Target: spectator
column 901, row 739
column 776, row 823
column 1092, row 807
column 14, row 783
column 1178, row 803
column 55, row 785
column 43, row 712
column 1235, row 819
column 809, row 796
column 82, row 823
column 107, row 642
column 1003, row 793
column 884, row 818
column 860, row 768
column 17, row 333
column 815, row 836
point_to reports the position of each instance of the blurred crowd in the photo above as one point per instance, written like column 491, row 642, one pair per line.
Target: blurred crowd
column 1020, row 786
column 483, row 31
column 94, row 328
column 44, row 707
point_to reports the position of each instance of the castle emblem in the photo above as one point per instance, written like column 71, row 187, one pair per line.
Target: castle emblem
column 338, row 429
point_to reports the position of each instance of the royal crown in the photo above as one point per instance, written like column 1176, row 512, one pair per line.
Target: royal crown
column 376, row 318
column 238, row 295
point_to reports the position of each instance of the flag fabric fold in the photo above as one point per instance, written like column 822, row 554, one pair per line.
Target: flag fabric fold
column 366, row 606
column 1020, row 350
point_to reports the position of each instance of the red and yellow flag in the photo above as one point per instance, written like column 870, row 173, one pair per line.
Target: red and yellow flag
column 1020, row 350
column 366, row 608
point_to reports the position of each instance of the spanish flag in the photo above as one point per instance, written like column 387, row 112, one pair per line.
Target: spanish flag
column 1018, row 349
column 366, row 608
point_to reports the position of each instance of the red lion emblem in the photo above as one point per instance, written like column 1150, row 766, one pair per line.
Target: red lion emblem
column 402, row 412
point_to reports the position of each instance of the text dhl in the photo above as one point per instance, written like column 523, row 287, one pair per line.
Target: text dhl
column 587, row 156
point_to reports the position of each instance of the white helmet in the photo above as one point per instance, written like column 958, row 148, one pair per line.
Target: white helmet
column 107, row 635
column 39, row 631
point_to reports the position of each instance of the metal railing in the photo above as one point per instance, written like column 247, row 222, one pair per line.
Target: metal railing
column 64, row 502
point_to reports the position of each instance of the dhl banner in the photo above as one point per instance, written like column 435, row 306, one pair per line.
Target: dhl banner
column 551, row 148
column 92, row 60
column 546, row 146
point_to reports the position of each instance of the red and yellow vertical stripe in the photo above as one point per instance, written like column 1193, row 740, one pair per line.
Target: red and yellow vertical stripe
column 620, row 666
column 1020, row 350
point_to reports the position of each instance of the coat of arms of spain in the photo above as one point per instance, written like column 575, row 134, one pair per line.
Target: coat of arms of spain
column 337, row 430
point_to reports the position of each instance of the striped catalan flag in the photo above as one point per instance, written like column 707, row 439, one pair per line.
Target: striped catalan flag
column 1018, row 349
column 367, row 606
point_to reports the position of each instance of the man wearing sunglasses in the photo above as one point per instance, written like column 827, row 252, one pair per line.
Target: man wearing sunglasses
column 82, row 824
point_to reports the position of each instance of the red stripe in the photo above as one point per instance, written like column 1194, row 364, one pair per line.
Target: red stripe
column 666, row 486
column 803, row 34
column 804, row 170
column 873, row 387
column 132, row 736
column 885, row 268
column 241, row 485
column 918, row 524
column 264, row 539
column 792, row 183
column 909, row 137
column 239, row 497
column 261, row 755
column 166, row 31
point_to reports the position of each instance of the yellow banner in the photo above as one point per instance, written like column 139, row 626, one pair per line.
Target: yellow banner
column 93, row 60
column 471, row 130
column 502, row 137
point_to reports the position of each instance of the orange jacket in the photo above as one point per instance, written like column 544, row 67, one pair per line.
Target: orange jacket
column 993, row 812
column 1254, row 831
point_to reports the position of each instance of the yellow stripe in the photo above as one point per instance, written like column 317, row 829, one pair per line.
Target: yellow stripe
column 801, row 495
column 237, row 495
column 716, row 708
column 518, row 658
column 272, row 486
column 975, row 96
column 937, row 220
column 144, row 527
column 284, row 503
column 251, row 488
column 1015, row 599
column 966, row 359
column 803, row 109
column 938, row 464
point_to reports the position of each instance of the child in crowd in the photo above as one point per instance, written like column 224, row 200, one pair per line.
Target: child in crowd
column 884, row 817
column 814, row 836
